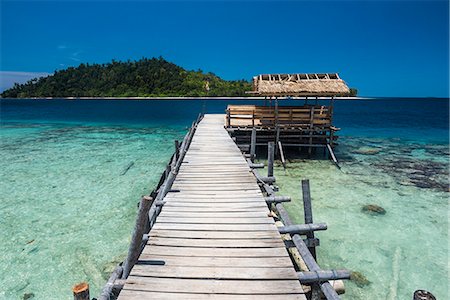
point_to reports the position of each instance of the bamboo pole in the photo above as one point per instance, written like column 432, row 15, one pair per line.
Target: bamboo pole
column 307, row 206
column 303, row 228
column 323, row 275
column 253, row 145
column 333, row 157
column 107, row 290
column 277, row 139
column 283, row 161
column 177, row 149
column 135, row 245
column 270, row 158
column 311, row 126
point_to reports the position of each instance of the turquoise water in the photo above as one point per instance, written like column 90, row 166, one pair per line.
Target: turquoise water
column 399, row 252
column 67, row 212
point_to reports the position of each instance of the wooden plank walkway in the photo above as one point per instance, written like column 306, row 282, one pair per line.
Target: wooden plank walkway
column 214, row 238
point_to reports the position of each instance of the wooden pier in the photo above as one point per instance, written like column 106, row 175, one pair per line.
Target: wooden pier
column 213, row 228
column 214, row 237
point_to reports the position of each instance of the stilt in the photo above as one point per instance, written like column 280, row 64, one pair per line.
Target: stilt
column 333, row 157
column 253, row 145
column 270, row 158
column 283, row 161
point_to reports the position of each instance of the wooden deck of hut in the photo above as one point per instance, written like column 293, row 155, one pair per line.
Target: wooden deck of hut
column 215, row 237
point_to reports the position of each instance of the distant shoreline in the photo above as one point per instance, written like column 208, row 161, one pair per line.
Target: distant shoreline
column 184, row 98
column 220, row 98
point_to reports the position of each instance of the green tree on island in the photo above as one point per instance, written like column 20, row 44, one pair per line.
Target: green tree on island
column 153, row 77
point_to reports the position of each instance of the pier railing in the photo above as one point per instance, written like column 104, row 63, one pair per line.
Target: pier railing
column 310, row 275
column 302, row 250
column 149, row 208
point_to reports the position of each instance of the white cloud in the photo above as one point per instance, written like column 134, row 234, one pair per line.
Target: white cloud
column 8, row 78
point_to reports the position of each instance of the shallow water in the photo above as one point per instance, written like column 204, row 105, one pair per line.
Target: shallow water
column 399, row 252
column 67, row 212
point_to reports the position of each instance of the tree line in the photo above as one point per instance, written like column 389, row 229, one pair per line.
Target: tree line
column 153, row 77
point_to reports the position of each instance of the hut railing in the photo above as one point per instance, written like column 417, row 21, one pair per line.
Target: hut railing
column 316, row 116
column 149, row 208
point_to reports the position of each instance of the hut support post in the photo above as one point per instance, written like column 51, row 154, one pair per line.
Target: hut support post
column 253, row 145
column 270, row 158
column 276, row 112
column 277, row 139
column 311, row 126
column 136, row 240
column 283, row 160
column 330, row 113
column 333, row 157
column 308, row 213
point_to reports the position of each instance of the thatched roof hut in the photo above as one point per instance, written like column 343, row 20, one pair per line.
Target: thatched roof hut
column 325, row 84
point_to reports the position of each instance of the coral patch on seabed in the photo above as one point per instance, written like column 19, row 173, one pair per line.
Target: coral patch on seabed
column 359, row 279
column 27, row 296
column 373, row 209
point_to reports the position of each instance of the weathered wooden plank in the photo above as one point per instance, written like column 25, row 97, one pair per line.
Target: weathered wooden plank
column 189, row 209
column 225, row 262
column 248, row 214
column 214, row 234
column 225, row 287
column 228, row 183
column 138, row 295
column 219, row 252
column 211, row 200
column 216, row 243
column 205, row 188
column 217, row 205
column 220, row 180
column 217, row 227
column 206, row 220
column 222, row 273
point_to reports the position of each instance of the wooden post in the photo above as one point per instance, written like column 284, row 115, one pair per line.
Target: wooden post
column 311, row 127
column 323, row 275
column 330, row 113
column 308, row 212
column 276, row 112
column 228, row 118
column 177, row 150
column 270, row 158
column 81, row 291
column 135, row 244
column 333, row 157
column 108, row 289
column 283, row 161
column 277, row 139
column 253, row 145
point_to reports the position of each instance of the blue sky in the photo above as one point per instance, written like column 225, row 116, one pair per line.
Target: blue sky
column 383, row 48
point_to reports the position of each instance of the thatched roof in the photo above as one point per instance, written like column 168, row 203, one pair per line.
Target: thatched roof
column 299, row 85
